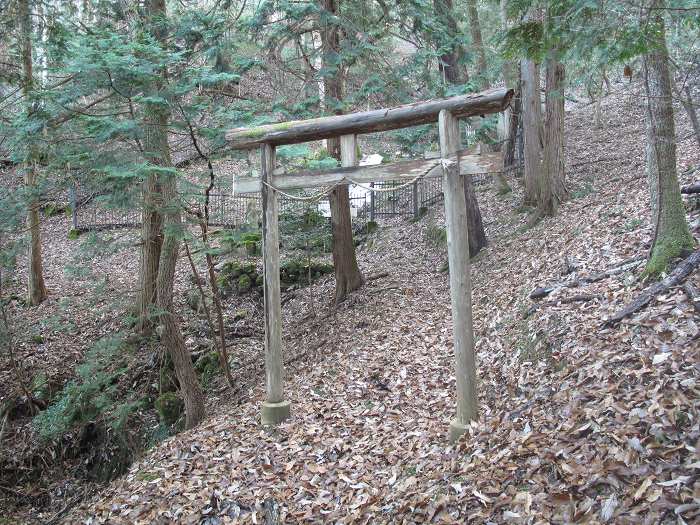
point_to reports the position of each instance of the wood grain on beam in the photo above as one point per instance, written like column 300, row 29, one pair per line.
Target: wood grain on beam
column 398, row 171
column 293, row 132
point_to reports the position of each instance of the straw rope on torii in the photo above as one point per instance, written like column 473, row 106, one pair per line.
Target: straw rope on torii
column 451, row 165
column 318, row 196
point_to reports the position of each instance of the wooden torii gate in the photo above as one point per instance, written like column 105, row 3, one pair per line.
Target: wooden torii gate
column 451, row 165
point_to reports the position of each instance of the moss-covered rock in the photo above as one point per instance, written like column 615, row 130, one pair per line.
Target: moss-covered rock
column 169, row 407
column 231, row 269
column 51, row 209
column 371, row 227
column 296, row 272
column 247, row 268
column 208, row 365
column 244, row 283
column 166, row 376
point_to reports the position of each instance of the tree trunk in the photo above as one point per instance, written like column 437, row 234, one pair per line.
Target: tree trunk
column 155, row 143
column 151, row 235
column 510, row 69
column 509, row 77
column 477, row 43
column 453, row 71
column 532, row 129
column 36, row 287
column 171, row 337
column 686, row 99
column 552, row 188
column 158, row 153
column 477, row 234
column 512, row 135
column 671, row 234
column 347, row 272
column 453, row 75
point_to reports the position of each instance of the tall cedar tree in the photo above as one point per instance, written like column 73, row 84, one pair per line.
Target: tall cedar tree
column 552, row 188
column 451, row 62
column 477, row 234
column 532, row 129
column 477, row 43
column 347, row 272
column 36, row 287
column 671, row 234
column 165, row 181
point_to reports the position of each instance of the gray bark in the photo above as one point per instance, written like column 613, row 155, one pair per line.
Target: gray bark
column 671, row 234
column 36, row 287
column 532, row 129
column 552, row 187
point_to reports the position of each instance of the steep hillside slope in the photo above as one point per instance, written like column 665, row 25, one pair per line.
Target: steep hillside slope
column 578, row 422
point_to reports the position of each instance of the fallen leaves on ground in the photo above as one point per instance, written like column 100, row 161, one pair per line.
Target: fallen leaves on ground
column 578, row 423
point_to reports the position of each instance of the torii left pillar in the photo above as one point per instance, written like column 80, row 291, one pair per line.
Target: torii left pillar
column 275, row 409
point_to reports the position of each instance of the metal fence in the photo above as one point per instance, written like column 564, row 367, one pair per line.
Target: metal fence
column 230, row 210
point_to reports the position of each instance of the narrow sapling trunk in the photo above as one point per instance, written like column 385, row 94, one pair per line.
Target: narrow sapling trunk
column 671, row 234
column 36, row 287
column 689, row 103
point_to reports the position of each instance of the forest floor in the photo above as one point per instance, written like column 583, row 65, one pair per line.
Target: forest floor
column 578, row 422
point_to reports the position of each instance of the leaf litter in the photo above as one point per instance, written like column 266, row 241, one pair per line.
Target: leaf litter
column 578, row 423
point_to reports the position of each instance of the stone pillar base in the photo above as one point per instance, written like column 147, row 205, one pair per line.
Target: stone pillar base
column 275, row 413
column 457, row 430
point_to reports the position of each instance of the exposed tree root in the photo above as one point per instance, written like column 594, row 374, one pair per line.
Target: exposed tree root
column 566, row 300
column 691, row 188
column 543, row 291
column 677, row 276
column 694, row 295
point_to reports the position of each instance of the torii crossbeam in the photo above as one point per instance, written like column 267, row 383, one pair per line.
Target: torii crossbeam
column 451, row 165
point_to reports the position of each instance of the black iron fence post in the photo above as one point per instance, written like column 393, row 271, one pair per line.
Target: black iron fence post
column 415, row 200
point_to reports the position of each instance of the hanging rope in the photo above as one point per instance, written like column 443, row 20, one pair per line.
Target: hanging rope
column 311, row 198
column 394, row 188
column 320, row 195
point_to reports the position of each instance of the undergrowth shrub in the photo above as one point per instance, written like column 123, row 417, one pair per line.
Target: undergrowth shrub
column 242, row 237
column 308, row 231
column 93, row 395
column 170, row 407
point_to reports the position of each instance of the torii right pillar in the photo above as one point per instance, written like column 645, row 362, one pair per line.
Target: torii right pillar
column 460, row 275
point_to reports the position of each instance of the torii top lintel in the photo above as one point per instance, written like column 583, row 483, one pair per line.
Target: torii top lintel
column 294, row 132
